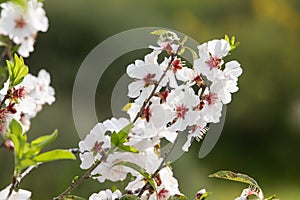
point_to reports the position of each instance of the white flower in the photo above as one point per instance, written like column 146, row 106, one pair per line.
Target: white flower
column 112, row 170
column 210, row 61
column 26, row 46
column 211, row 111
column 96, row 143
column 166, row 185
column 21, row 24
column 232, row 70
column 226, row 85
column 196, row 131
column 182, row 103
column 93, row 146
column 43, row 92
column 248, row 191
column 106, row 195
column 19, row 195
column 146, row 73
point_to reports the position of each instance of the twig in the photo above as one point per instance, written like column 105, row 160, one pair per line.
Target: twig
column 81, row 179
column 157, row 84
column 16, row 179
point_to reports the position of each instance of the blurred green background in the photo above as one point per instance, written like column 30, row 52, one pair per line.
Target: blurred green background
column 261, row 136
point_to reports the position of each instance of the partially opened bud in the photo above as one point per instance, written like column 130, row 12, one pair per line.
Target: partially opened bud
column 9, row 145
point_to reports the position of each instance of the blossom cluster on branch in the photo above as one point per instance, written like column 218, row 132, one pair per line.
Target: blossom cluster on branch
column 169, row 97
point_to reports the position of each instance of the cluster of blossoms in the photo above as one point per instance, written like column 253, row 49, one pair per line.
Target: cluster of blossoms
column 22, row 22
column 168, row 98
column 23, row 101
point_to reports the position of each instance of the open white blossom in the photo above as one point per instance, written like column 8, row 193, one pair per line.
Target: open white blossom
column 182, row 103
column 96, row 143
column 21, row 24
column 247, row 192
column 166, row 185
column 106, row 195
column 210, row 61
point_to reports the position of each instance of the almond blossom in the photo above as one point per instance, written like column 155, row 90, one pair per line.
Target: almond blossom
column 210, row 60
column 21, row 24
column 106, row 195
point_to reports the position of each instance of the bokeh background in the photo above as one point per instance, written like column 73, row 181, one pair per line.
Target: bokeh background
column 261, row 136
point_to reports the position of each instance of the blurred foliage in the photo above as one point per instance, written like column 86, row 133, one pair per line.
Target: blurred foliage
column 262, row 130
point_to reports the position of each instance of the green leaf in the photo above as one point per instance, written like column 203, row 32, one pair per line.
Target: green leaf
column 177, row 197
column 232, row 176
column 39, row 143
column 75, row 179
column 57, row 154
column 271, row 197
column 71, row 197
column 129, row 197
column 17, row 70
column 15, row 128
column 231, row 41
column 128, row 148
column 159, row 32
column 194, row 54
column 19, row 139
column 181, row 51
column 24, row 163
column 205, row 195
column 185, row 38
column 121, row 137
column 22, row 3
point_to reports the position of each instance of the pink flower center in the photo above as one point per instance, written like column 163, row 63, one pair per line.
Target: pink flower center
column 97, row 148
column 20, row 23
column 214, row 62
column 163, row 194
column 177, row 65
column 211, row 98
column 148, row 79
column 181, row 111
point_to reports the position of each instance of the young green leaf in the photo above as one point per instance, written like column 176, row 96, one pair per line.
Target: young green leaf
column 121, row 137
column 194, row 54
column 15, row 128
column 128, row 148
column 232, row 43
column 205, row 195
column 17, row 70
column 24, row 163
column 75, row 179
column 159, row 32
column 40, row 142
column 57, row 154
column 271, row 197
column 22, row 3
column 232, row 176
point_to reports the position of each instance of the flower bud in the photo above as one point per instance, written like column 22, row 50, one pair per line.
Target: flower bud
column 9, row 145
